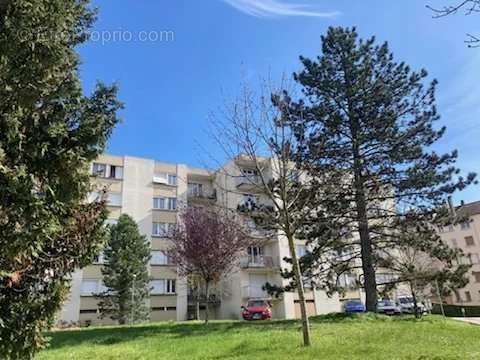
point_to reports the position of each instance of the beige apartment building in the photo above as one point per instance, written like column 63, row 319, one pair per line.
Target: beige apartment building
column 152, row 192
column 466, row 236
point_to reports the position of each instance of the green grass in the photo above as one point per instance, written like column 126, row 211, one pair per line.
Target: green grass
column 366, row 337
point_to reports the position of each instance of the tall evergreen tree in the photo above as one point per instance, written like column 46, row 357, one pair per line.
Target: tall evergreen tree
column 49, row 133
column 125, row 273
column 368, row 124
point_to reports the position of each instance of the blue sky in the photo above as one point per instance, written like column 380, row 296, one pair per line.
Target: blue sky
column 170, row 87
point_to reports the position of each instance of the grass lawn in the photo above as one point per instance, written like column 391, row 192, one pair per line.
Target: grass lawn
column 364, row 337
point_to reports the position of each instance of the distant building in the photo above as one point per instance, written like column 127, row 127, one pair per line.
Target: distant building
column 151, row 192
column 466, row 236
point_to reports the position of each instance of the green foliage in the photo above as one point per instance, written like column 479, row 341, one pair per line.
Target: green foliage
column 49, row 133
column 367, row 124
column 125, row 273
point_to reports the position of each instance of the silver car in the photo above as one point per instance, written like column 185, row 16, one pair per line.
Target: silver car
column 407, row 305
column 388, row 307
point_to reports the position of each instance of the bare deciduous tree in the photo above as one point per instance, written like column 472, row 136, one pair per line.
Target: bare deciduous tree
column 469, row 7
column 251, row 130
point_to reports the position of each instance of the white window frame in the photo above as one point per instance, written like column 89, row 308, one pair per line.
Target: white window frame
column 195, row 189
column 158, row 257
column 172, row 179
column 114, row 199
column 102, row 172
column 158, row 231
column 170, row 286
column 159, row 202
column 92, row 289
column 163, row 287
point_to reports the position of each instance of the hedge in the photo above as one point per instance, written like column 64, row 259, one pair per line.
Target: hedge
column 456, row 310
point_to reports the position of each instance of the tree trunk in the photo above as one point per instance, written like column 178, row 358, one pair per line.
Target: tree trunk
column 197, row 308
column 414, row 296
column 206, row 301
column 301, row 294
column 369, row 279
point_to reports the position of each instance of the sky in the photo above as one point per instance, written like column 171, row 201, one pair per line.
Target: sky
column 177, row 61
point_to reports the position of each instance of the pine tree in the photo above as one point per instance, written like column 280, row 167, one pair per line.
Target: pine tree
column 125, row 273
column 49, row 133
column 368, row 124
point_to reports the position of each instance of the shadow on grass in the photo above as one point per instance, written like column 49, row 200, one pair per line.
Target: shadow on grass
column 114, row 335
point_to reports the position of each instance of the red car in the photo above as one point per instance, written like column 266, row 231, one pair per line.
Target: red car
column 257, row 310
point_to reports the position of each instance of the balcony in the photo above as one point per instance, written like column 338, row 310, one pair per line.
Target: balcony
column 254, row 291
column 213, row 299
column 202, row 196
column 248, row 182
column 258, row 262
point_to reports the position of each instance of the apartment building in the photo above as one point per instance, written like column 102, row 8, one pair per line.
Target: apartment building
column 152, row 193
column 466, row 236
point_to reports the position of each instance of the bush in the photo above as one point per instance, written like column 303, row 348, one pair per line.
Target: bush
column 456, row 310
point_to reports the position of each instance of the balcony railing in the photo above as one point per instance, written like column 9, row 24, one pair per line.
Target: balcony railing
column 257, row 262
column 202, row 195
column 254, row 291
column 248, row 181
column 214, row 299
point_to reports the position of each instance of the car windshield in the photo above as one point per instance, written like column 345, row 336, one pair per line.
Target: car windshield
column 354, row 303
column 256, row 303
column 406, row 300
column 386, row 303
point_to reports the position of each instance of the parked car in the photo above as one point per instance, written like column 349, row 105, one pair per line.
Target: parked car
column 407, row 305
column 354, row 306
column 389, row 307
column 257, row 310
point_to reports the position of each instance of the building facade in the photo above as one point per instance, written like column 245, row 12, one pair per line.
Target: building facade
column 152, row 192
column 466, row 236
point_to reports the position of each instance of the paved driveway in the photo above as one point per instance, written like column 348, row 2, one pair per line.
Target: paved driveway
column 471, row 320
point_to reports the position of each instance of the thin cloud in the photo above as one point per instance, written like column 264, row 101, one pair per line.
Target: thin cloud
column 275, row 8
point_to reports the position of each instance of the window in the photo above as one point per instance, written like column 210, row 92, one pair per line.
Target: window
column 195, row 189
column 162, row 229
column 164, row 178
column 162, row 203
column 465, row 225
column 158, row 258
column 89, row 287
column 170, row 287
column 99, row 169
column 88, row 311
column 468, row 296
column 158, row 287
column 476, row 275
column 159, row 203
column 469, row 241
column 114, row 199
column 301, row 250
column 255, row 255
column 161, row 287
column 116, row 172
column 172, row 179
